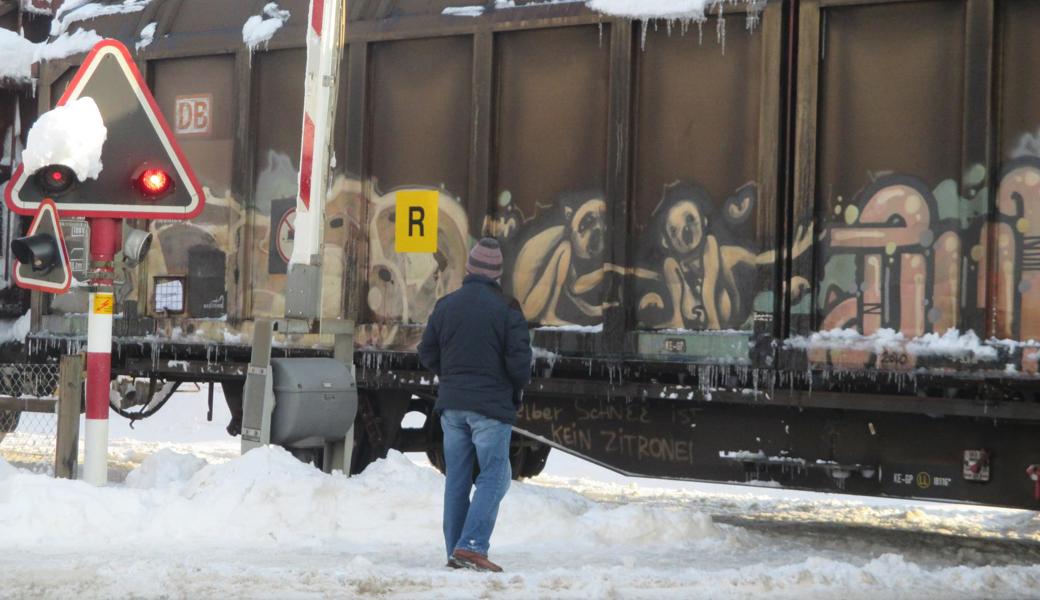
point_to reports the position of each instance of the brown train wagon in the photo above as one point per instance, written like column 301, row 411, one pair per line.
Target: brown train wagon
column 798, row 242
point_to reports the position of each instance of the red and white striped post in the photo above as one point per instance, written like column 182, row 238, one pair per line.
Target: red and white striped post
column 105, row 239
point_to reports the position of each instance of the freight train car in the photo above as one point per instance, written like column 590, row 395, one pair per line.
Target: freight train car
column 798, row 242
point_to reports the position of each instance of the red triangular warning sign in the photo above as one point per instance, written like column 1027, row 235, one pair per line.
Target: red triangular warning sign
column 43, row 260
column 139, row 141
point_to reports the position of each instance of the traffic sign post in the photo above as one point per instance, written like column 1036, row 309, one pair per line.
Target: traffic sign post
column 104, row 239
column 144, row 176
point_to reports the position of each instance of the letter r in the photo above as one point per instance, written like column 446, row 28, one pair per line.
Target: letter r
column 416, row 214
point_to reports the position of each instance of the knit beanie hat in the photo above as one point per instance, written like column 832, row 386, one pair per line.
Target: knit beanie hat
column 485, row 259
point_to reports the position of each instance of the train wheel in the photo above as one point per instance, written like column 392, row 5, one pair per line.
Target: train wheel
column 377, row 426
column 534, row 462
column 524, row 459
column 435, row 442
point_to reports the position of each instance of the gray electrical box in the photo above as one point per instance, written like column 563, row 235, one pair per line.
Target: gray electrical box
column 315, row 401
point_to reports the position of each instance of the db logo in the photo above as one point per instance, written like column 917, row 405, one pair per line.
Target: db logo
column 193, row 114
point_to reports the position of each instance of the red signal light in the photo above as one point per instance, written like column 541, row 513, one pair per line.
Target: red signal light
column 55, row 179
column 154, row 182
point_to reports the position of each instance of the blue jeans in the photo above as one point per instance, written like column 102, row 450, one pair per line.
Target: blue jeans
column 470, row 436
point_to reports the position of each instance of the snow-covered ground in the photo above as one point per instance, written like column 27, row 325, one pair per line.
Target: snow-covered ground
column 190, row 518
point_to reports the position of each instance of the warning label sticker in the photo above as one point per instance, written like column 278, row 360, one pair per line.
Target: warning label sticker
column 104, row 304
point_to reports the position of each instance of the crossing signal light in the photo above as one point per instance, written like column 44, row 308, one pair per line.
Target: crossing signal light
column 39, row 251
column 42, row 260
column 55, row 180
column 153, row 183
column 146, row 174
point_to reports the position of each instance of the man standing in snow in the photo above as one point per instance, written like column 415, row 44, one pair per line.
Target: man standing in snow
column 476, row 341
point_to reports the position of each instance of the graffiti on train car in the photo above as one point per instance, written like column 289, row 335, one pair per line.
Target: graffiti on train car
column 557, row 263
column 900, row 255
column 698, row 270
column 910, row 258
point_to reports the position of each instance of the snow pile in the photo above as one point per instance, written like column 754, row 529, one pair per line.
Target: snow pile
column 70, row 135
column 669, row 10
column 266, row 525
column 30, row 6
column 463, row 11
column 653, row 9
column 20, row 54
column 164, row 469
column 269, row 497
column 951, row 343
column 15, row 330
column 259, row 29
column 572, row 328
column 147, row 36
column 72, row 11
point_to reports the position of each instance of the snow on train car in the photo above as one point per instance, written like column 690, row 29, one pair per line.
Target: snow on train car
column 797, row 242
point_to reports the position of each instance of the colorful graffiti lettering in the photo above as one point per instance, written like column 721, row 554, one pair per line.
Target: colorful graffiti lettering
column 898, row 256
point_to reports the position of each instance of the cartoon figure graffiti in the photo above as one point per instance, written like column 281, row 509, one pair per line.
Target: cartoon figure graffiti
column 707, row 278
column 559, row 272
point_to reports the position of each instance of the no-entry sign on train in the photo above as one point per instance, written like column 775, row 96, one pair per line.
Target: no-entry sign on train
column 145, row 174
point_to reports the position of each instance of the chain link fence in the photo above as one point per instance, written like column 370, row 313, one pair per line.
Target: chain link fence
column 28, row 415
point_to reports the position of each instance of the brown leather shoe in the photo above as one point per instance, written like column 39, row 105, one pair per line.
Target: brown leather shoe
column 474, row 561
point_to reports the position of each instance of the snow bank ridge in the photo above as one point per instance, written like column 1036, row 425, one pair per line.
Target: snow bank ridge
column 268, row 497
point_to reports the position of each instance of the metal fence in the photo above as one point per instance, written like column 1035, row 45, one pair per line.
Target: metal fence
column 28, row 415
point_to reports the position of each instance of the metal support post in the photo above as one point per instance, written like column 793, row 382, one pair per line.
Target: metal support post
column 70, row 405
column 340, row 455
column 258, row 396
column 105, row 238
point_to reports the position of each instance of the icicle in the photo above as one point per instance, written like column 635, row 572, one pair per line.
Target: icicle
column 720, row 28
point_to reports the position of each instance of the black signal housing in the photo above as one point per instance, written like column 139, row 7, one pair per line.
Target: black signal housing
column 55, row 180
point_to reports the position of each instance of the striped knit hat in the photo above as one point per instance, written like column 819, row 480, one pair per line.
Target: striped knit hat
column 485, row 259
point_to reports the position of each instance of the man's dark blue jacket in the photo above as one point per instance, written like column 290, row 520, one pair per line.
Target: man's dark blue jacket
column 476, row 341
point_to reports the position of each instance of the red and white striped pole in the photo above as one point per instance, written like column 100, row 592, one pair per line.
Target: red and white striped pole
column 105, row 239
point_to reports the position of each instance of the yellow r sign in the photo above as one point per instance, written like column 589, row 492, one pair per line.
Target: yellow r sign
column 415, row 222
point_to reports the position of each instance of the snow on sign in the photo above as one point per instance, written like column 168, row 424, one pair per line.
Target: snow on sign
column 144, row 173
column 42, row 259
column 193, row 115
